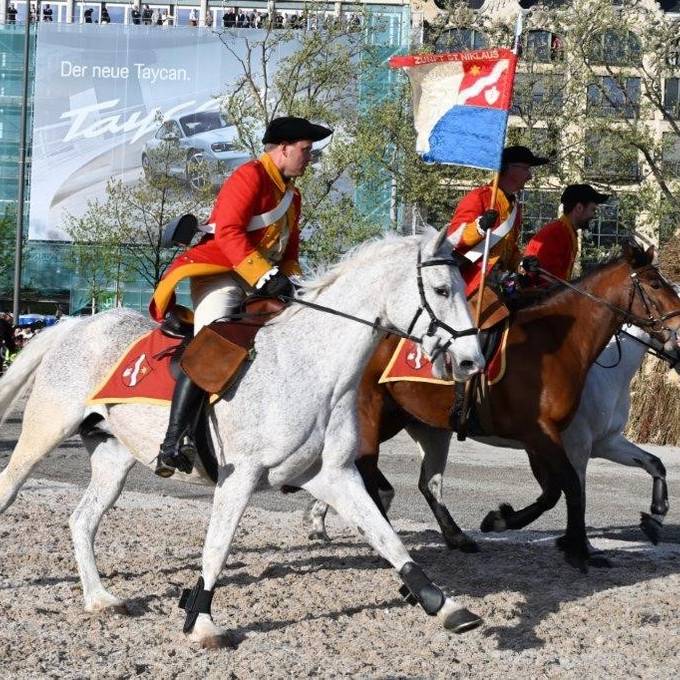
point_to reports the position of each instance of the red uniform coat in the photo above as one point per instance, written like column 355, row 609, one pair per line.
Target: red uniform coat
column 252, row 189
column 463, row 233
column 555, row 246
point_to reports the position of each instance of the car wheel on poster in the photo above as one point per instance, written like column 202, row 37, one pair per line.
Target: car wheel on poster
column 196, row 171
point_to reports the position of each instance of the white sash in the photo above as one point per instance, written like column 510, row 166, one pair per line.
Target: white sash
column 259, row 221
column 495, row 236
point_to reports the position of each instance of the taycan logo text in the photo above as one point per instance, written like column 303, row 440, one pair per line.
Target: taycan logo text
column 88, row 122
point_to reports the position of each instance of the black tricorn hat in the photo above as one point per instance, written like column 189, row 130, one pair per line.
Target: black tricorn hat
column 293, row 129
column 521, row 154
column 582, row 193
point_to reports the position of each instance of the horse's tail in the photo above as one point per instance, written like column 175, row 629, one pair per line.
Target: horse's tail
column 20, row 375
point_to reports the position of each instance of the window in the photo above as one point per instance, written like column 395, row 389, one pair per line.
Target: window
column 537, row 94
column 673, row 54
column 615, row 48
column 614, row 97
column 671, row 96
column 671, row 154
column 543, row 46
column 446, row 4
column 607, row 229
column 610, row 159
column 459, row 40
column 538, row 208
column 542, row 141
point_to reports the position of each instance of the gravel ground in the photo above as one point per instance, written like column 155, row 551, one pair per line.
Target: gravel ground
column 296, row 609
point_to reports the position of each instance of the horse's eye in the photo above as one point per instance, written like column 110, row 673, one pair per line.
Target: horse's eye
column 656, row 284
column 442, row 290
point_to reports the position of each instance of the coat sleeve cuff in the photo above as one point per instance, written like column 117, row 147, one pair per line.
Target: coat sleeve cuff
column 291, row 268
column 253, row 267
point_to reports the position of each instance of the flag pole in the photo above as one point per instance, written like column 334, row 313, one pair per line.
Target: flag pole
column 462, row 424
column 494, row 193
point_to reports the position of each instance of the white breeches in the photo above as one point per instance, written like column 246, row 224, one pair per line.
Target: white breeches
column 215, row 296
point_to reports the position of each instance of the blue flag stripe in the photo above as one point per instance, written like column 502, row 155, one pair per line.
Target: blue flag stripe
column 469, row 135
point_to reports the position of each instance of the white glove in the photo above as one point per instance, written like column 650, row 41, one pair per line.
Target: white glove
column 265, row 277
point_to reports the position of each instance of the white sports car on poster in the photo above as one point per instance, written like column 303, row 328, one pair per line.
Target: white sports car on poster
column 209, row 148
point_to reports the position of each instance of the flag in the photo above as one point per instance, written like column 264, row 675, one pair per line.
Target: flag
column 461, row 104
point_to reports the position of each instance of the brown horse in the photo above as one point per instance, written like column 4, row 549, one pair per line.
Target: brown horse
column 550, row 348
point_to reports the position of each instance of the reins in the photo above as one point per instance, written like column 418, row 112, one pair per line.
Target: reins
column 376, row 325
column 627, row 315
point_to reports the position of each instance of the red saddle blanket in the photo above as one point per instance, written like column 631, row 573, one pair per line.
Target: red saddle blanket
column 409, row 363
column 143, row 373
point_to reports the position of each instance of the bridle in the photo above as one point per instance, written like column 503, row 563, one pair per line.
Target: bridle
column 436, row 322
column 651, row 322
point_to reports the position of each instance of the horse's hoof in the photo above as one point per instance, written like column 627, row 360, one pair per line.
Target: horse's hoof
column 577, row 559
column 463, row 543
column 493, row 522
column 651, row 527
column 115, row 610
column 460, row 620
column 599, row 561
column 221, row 641
column 561, row 543
column 319, row 536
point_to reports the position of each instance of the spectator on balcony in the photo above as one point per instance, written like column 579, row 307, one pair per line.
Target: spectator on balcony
column 136, row 15
column 147, row 15
column 12, row 15
column 88, row 15
column 104, row 17
column 228, row 19
column 193, row 17
column 209, row 18
column 47, row 13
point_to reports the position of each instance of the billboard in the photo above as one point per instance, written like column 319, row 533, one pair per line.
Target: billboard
column 99, row 91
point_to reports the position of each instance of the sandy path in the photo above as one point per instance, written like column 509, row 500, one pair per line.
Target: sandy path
column 322, row 611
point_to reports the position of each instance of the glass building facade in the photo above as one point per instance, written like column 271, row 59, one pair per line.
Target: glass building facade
column 48, row 276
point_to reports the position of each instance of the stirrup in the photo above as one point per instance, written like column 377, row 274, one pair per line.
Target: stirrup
column 182, row 458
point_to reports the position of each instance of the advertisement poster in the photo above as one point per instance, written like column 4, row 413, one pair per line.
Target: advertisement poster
column 98, row 94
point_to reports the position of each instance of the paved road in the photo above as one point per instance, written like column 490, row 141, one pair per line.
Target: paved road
column 478, row 478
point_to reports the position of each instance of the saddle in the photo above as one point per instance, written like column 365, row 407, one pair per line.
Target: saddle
column 213, row 358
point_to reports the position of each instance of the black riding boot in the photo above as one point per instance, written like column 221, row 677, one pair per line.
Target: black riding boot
column 178, row 449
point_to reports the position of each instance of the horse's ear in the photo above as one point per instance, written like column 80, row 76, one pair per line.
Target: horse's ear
column 652, row 255
column 636, row 256
column 440, row 244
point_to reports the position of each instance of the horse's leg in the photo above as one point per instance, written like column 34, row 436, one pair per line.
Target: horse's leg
column 620, row 450
column 574, row 543
column 379, row 489
column 506, row 517
column 433, row 445
column 110, row 462
column 342, row 488
column 232, row 493
column 315, row 517
column 46, row 423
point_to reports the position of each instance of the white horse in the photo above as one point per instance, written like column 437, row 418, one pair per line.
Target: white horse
column 596, row 431
column 290, row 420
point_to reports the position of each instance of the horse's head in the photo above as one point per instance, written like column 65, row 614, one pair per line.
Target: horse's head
column 654, row 302
column 443, row 319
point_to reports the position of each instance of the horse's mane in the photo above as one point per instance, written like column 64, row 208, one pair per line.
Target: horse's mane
column 381, row 246
column 556, row 295
column 384, row 247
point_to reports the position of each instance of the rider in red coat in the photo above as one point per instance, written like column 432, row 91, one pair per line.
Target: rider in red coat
column 554, row 247
column 474, row 216
column 254, row 247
